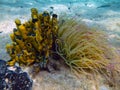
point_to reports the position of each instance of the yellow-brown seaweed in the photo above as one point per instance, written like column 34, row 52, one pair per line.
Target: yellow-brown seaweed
column 83, row 48
column 33, row 40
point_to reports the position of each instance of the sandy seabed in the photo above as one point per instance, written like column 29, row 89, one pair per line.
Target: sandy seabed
column 65, row 79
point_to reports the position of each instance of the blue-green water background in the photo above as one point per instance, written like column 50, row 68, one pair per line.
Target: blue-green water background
column 94, row 12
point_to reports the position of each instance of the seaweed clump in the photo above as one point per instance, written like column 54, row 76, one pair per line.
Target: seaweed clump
column 83, row 48
column 33, row 40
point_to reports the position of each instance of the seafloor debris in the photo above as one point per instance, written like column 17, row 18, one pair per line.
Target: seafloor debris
column 13, row 79
column 33, row 40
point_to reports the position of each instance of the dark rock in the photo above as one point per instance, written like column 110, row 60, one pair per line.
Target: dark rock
column 18, row 70
column 11, row 76
column 1, row 31
column 52, row 7
column 24, row 82
column 14, row 79
column 104, row 6
column 3, row 68
column 3, row 84
column 21, row 6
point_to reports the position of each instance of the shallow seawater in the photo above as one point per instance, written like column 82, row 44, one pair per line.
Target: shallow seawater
column 104, row 14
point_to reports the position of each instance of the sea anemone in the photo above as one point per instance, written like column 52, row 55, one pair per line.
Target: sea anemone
column 82, row 47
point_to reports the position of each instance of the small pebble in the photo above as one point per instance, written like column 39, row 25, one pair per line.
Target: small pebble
column 1, row 31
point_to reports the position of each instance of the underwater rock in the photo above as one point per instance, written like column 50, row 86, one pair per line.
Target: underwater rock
column 1, row 31
column 13, row 79
column 24, row 81
column 2, row 84
column 104, row 6
column 3, row 68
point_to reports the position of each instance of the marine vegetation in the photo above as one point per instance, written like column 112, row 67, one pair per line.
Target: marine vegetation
column 84, row 48
column 38, row 40
column 33, row 40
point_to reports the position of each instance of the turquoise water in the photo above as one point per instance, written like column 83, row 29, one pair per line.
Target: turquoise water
column 103, row 13
column 83, row 8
